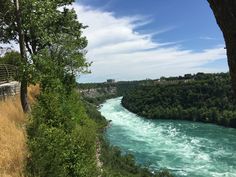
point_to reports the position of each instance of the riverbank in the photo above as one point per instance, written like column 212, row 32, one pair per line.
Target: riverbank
column 208, row 99
column 113, row 162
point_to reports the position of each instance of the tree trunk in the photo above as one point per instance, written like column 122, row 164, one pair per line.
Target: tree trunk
column 23, row 90
column 225, row 14
column 23, row 94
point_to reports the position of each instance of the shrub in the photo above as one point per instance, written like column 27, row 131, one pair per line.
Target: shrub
column 61, row 138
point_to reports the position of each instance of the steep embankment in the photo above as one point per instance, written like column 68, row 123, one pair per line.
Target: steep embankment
column 99, row 94
column 209, row 99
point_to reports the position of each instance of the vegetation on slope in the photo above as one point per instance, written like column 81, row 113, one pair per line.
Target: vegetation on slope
column 61, row 138
column 204, row 98
column 63, row 131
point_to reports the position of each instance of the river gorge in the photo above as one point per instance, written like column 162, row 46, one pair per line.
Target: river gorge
column 185, row 148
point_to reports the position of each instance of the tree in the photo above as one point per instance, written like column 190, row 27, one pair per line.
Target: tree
column 225, row 14
column 11, row 58
column 43, row 28
column 24, row 84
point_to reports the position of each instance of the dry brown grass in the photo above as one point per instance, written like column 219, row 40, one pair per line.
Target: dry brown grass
column 12, row 138
column 13, row 149
column 33, row 91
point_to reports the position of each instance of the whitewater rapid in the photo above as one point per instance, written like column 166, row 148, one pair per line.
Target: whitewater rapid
column 185, row 148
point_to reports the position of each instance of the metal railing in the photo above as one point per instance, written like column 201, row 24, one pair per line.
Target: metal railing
column 8, row 84
column 8, row 73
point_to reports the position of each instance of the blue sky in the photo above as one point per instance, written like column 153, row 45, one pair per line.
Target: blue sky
column 138, row 39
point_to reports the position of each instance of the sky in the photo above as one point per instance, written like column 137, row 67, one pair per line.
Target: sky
column 147, row 39
column 142, row 39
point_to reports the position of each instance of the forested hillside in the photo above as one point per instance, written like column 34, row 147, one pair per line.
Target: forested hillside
column 203, row 97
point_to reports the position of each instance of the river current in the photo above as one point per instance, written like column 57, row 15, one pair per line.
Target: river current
column 185, row 148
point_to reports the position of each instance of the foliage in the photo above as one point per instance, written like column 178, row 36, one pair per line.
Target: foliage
column 43, row 23
column 61, row 137
column 46, row 28
column 52, row 36
column 11, row 58
column 206, row 98
column 94, row 114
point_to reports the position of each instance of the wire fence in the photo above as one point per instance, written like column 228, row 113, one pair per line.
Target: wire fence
column 8, row 84
column 8, row 73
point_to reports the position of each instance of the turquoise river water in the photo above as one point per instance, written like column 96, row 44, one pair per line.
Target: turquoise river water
column 185, row 148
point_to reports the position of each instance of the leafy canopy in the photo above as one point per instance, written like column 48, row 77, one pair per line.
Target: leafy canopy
column 51, row 32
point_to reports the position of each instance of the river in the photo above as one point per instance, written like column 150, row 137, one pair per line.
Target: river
column 185, row 148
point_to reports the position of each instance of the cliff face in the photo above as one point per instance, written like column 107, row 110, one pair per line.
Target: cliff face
column 225, row 14
column 99, row 92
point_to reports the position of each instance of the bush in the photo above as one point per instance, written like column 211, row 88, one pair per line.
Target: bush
column 61, row 138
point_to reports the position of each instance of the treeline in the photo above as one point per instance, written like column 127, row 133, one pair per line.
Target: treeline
column 207, row 98
column 122, row 87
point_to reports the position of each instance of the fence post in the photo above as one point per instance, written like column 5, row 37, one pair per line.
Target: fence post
column 7, row 79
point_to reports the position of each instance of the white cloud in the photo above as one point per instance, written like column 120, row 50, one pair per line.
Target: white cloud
column 118, row 51
column 208, row 38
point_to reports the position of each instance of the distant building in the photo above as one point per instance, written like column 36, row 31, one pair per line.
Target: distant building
column 111, row 81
